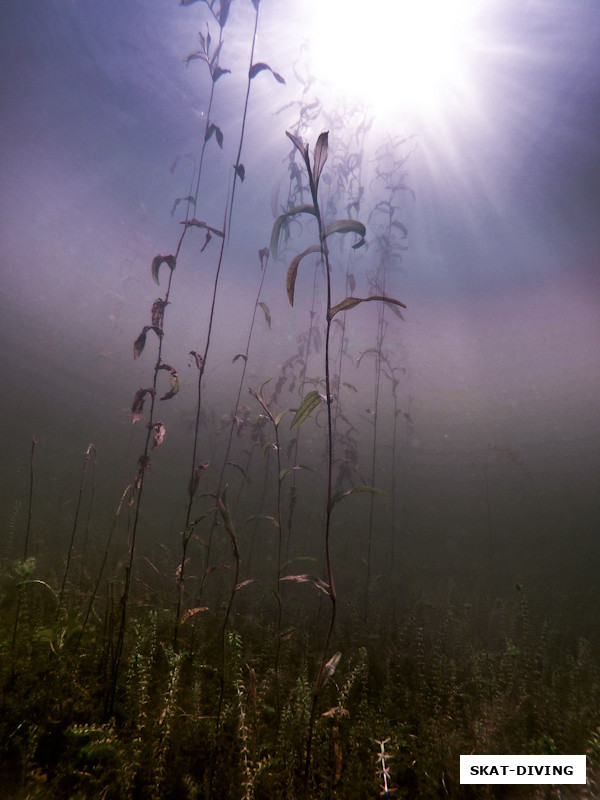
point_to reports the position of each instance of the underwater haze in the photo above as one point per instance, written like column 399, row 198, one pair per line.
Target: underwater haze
column 301, row 444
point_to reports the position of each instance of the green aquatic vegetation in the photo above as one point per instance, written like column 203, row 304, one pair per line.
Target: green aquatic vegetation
column 313, row 398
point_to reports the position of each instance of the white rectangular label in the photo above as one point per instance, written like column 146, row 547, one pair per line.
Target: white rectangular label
column 522, row 769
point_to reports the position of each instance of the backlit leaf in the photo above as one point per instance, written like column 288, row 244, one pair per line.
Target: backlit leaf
column 191, row 612
column 311, row 401
column 321, row 150
column 217, row 72
column 239, row 355
column 158, row 434
column 158, row 260
column 267, row 313
column 293, row 269
column 346, row 492
column 138, row 403
column 347, row 226
column 259, row 67
column 351, row 302
column 281, row 220
column 316, row 581
column 240, row 171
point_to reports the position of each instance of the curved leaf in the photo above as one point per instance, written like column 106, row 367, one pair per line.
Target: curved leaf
column 259, row 67
column 308, row 405
column 267, row 313
column 347, row 226
column 315, row 580
column 281, row 220
column 240, row 171
column 158, row 260
column 351, row 302
column 293, row 270
column 346, row 492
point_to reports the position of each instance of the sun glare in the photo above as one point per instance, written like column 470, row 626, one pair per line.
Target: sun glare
column 401, row 56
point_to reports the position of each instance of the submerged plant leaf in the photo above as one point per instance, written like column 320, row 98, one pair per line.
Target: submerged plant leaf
column 351, row 302
column 198, row 358
column 158, row 434
column 227, row 523
column 140, row 342
column 300, row 146
column 196, row 223
column 346, row 492
column 217, row 72
column 158, row 312
column 282, row 220
column 212, row 128
column 191, row 612
column 292, row 272
column 174, row 380
column 330, row 667
column 196, row 475
column 240, row 469
column 223, row 12
column 347, row 226
column 170, row 261
column 308, row 405
column 138, row 403
column 259, row 67
column 321, row 150
column 240, row 171
column 240, row 585
column 188, row 199
column 296, row 467
column 263, row 254
column 314, row 579
column 267, row 313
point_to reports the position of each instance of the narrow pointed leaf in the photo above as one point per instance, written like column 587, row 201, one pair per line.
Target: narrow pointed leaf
column 321, row 150
column 281, row 220
column 240, row 469
column 259, row 67
column 239, row 355
column 293, row 270
column 267, row 313
column 351, row 302
column 191, row 612
column 346, row 492
column 347, row 226
column 312, row 400
column 316, row 581
column 303, row 150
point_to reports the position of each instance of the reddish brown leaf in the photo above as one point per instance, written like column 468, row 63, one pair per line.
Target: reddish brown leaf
column 138, row 403
column 199, row 359
column 192, row 612
column 158, row 312
column 158, row 434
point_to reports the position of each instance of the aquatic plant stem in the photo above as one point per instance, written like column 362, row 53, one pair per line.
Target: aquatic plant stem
column 75, row 521
column 25, row 544
column 236, row 166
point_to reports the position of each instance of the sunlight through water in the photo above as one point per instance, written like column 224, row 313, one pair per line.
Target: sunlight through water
column 402, row 58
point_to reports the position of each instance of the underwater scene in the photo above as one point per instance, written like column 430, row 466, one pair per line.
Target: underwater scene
column 300, row 464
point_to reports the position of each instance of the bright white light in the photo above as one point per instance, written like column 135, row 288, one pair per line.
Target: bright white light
column 405, row 56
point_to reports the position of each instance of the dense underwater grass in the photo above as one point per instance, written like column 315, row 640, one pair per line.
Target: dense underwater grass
column 195, row 646
column 434, row 680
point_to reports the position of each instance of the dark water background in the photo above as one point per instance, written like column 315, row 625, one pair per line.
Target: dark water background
column 498, row 471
